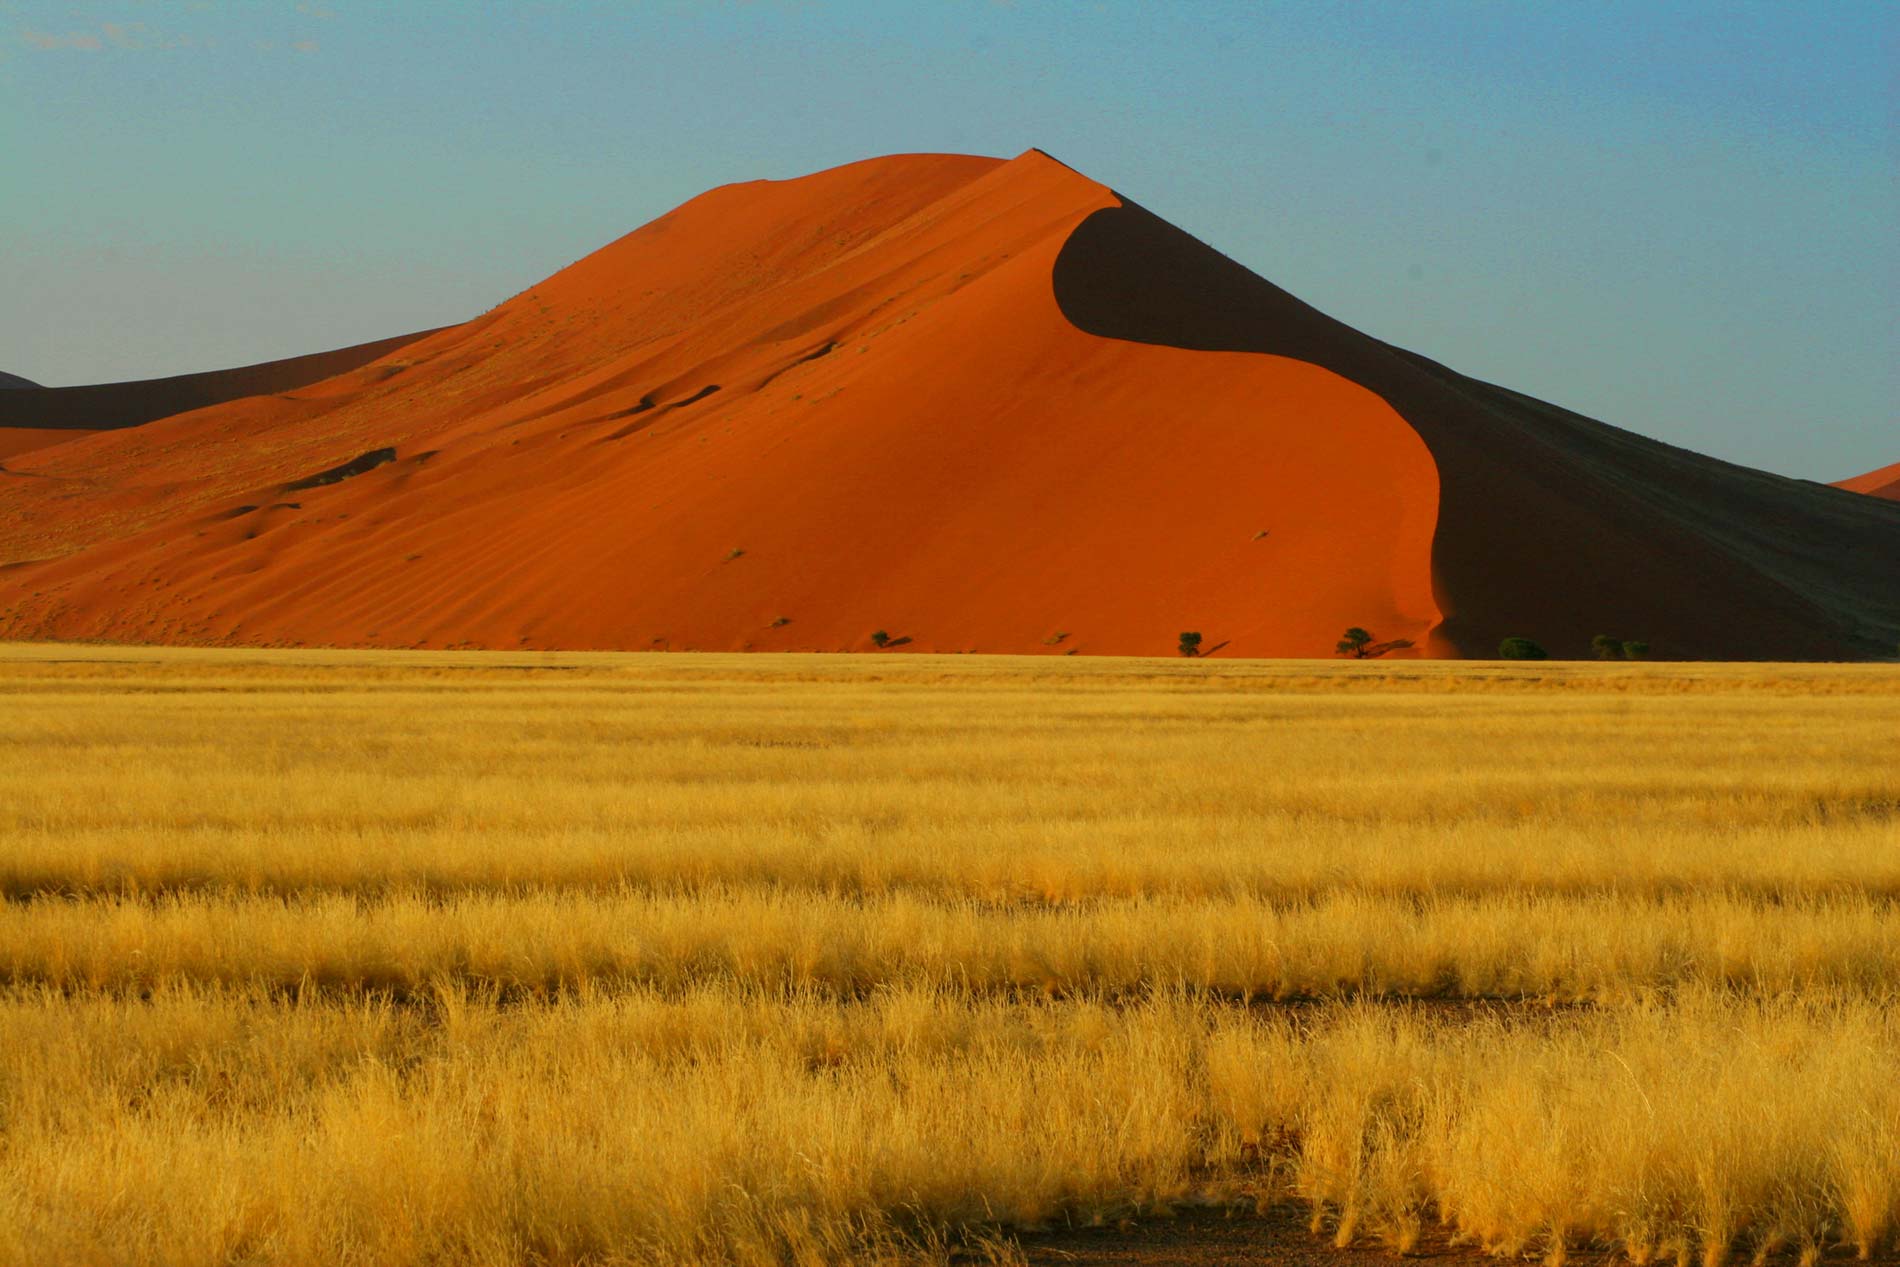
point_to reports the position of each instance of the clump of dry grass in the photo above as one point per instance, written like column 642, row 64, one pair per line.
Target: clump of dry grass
column 1008, row 782
column 479, row 959
column 738, row 1125
column 1594, row 948
column 1704, row 1126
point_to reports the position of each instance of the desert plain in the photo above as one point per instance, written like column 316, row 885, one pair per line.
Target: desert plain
column 491, row 957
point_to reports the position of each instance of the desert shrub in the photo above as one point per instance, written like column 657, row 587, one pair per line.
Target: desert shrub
column 881, row 639
column 1606, row 647
column 1636, row 650
column 1521, row 649
column 1354, row 643
column 1190, row 643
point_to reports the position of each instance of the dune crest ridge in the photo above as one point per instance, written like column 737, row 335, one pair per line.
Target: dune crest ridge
column 1884, row 482
column 974, row 404
column 785, row 415
column 33, row 416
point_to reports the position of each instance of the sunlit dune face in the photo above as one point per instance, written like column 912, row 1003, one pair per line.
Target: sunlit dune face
column 1884, row 483
column 784, row 416
column 17, row 440
column 927, row 402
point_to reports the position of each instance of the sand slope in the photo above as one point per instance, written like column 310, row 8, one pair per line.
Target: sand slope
column 34, row 416
column 1551, row 525
column 13, row 382
column 15, row 440
column 979, row 405
column 1884, row 482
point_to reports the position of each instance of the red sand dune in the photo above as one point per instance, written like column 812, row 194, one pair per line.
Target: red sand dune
column 33, row 417
column 981, row 405
column 15, row 440
column 1884, row 482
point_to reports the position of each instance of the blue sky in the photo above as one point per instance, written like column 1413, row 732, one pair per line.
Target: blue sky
column 1679, row 218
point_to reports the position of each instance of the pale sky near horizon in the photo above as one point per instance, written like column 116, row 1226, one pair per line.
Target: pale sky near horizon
column 1682, row 219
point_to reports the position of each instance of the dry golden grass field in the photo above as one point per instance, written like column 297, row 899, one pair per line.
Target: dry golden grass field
column 330, row 957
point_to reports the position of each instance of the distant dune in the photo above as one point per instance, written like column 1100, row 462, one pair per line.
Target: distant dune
column 1884, row 482
column 974, row 404
column 48, row 415
column 16, row 440
column 13, row 382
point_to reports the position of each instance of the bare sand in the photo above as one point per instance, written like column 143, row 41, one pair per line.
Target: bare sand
column 1884, row 482
column 977, row 405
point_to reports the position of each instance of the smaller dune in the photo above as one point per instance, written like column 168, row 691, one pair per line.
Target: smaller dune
column 1884, row 482
column 111, row 406
column 17, row 440
column 12, row 381
column 968, row 403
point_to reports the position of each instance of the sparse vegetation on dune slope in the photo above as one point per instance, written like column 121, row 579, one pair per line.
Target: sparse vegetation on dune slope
column 487, row 959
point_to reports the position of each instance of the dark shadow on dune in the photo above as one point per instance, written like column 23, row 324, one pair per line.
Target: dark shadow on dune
column 817, row 353
column 646, row 406
column 696, row 397
column 109, row 406
column 358, row 465
column 1550, row 524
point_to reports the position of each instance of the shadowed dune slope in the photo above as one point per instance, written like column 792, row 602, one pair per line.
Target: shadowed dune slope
column 13, row 382
column 979, row 405
column 1551, row 525
column 14, row 440
column 46, row 412
column 1884, row 482
column 783, row 416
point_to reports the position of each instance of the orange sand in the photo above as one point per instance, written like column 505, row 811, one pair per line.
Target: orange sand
column 1884, row 482
column 17, row 440
column 788, row 414
column 906, row 435
column 32, row 417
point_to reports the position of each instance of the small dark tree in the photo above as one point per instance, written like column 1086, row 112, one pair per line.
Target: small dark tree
column 1354, row 643
column 1521, row 649
column 1636, row 651
column 1606, row 647
column 880, row 639
column 1190, row 643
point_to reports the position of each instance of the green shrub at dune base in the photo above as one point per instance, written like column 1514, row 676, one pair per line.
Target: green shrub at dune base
column 1521, row 649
